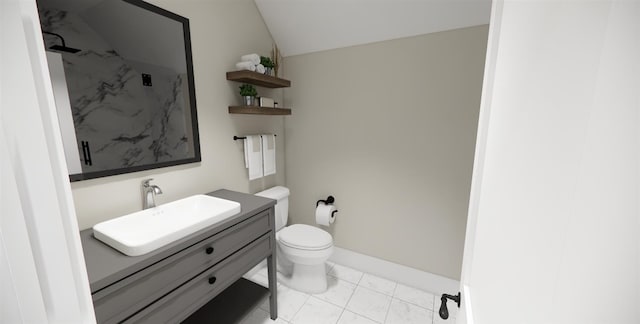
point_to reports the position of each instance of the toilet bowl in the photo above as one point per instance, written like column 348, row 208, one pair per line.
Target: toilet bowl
column 302, row 249
column 307, row 248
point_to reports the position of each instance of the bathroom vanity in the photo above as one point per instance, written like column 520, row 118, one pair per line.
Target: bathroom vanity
column 172, row 282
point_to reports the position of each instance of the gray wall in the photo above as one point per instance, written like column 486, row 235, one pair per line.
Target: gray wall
column 388, row 129
column 221, row 31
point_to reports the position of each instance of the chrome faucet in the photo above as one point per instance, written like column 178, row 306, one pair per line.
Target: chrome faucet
column 149, row 193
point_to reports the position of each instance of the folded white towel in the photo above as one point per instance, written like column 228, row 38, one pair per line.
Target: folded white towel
column 253, row 150
column 260, row 68
column 245, row 65
column 253, row 58
column 269, row 154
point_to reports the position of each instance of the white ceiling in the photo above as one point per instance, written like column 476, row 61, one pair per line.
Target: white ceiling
column 305, row 26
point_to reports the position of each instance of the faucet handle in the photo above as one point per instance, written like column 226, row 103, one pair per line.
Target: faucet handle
column 145, row 182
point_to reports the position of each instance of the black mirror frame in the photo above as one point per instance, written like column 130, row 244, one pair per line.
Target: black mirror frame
column 192, row 102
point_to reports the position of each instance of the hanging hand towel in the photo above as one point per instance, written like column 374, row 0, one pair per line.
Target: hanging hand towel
column 253, row 58
column 253, row 151
column 246, row 152
column 269, row 154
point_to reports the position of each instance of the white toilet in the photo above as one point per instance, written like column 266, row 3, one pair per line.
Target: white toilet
column 302, row 249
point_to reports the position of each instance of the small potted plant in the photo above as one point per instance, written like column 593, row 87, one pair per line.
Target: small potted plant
column 267, row 63
column 248, row 93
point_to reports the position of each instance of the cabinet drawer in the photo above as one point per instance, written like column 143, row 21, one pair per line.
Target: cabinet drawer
column 185, row 300
column 122, row 299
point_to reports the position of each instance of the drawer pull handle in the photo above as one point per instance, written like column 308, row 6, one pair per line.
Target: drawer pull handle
column 212, row 280
column 209, row 250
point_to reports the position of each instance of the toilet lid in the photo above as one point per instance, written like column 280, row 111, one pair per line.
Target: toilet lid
column 301, row 236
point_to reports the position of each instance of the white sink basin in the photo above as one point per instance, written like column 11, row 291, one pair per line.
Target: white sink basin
column 144, row 231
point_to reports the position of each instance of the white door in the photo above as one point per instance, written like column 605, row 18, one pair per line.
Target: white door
column 553, row 234
column 42, row 273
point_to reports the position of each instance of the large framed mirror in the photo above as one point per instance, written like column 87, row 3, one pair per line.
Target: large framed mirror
column 126, row 69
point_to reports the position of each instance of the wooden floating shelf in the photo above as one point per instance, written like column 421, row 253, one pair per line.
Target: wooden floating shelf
column 253, row 110
column 258, row 79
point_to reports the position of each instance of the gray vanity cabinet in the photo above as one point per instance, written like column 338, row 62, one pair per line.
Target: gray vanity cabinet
column 169, row 284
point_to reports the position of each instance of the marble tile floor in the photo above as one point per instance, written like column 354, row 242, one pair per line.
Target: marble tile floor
column 353, row 297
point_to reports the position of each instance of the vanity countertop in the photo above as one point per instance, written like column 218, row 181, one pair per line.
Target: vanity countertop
column 106, row 265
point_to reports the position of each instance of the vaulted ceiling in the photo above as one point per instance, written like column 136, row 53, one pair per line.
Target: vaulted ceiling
column 306, row 26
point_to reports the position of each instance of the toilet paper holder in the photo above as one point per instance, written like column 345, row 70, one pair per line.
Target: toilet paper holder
column 327, row 201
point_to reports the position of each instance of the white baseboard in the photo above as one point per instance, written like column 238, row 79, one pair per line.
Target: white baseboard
column 405, row 275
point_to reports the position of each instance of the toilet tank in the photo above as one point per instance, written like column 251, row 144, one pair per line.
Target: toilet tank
column 281, row 194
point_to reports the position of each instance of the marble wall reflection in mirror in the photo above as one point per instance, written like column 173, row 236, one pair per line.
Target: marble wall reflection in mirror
column 130, row 86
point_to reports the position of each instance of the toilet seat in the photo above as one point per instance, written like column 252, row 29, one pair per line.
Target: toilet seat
column 305, row 237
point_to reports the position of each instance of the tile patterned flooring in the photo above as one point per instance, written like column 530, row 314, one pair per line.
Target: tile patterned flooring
column 353, row 297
